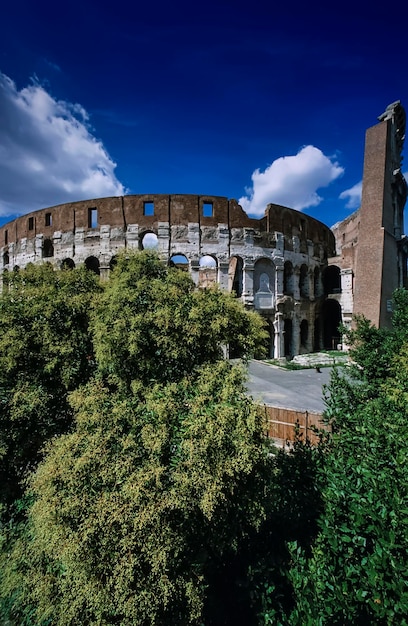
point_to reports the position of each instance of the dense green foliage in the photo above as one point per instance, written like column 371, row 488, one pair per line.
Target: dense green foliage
column 139, row 487
column 136, row 513
column 153, row 324
column 45, row 352
column 136, row 509
column 357, row 572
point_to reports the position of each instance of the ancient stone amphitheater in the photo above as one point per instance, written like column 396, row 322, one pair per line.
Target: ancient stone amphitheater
column 274, row 264
column 287, row 266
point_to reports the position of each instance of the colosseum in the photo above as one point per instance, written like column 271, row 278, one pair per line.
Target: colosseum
column 302, row 276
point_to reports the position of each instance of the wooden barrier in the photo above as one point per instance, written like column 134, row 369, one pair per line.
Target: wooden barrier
column 282, row 423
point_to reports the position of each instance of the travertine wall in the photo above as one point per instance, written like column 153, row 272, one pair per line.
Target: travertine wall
column 274, row 264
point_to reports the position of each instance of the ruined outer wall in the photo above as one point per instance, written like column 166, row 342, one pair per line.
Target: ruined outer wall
column 369, row 277
column 274, row 264
column 178, row 221
column 381, row 261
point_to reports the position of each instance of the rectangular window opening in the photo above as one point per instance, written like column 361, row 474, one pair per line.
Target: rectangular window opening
column 148, row 208
column 48, row 219
column 207, row 209
column 92, row 217
column 5, row 237
column 30, row 223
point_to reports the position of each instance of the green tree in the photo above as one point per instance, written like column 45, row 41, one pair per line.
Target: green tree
column 139, row 513
column 152, row 324
column 140, row 509
column 45, row 352
column 357, row 572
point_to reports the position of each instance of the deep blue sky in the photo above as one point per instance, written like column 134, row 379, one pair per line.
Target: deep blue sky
column 193, row 98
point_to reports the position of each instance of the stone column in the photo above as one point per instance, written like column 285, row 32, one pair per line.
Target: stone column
column 195, row 269
column 132, row 236
column 295, row 278
column 248, row 282
column 222, row 278
column 279, row 343
column 104, row 271
column 163, row 240
column 279, row 277
column 38, row 247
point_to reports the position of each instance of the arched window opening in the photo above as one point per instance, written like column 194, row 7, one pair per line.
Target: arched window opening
column 92, row 264
column 48, row 249
column 150, row 241
column 6, row 259
column 207, row 261
column 179, row 261
column 264, row 285
column 208, row 271
column 288, row 330
column 332, row 280
column 288, row 279
column 331, row 323
column 67, row 264
column 304, row 282
column 236, row 276
column 304, row 333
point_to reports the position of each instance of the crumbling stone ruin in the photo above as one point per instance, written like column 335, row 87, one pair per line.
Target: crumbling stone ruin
column 303, row 277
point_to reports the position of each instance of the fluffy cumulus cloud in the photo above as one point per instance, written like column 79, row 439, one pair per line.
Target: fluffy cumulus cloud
column 48, row 154
column 352, row 196
column 291, row 181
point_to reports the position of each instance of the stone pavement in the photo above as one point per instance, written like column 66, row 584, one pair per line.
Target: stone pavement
column 300, row 390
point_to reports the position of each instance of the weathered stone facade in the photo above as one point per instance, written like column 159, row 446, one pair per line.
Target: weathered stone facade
column 292, row 269
column 274, row 264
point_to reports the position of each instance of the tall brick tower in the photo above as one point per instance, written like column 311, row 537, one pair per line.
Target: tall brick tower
column 381, row 263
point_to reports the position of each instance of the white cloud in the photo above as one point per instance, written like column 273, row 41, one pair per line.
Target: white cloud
column 352, row 195
column 291, row 181
column 48, row 154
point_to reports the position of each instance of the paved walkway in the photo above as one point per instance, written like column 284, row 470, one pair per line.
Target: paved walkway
column 300, row 390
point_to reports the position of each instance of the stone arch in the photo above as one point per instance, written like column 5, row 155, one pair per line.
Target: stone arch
column 331, row 323
column 48, row 249
column 332, row 280
column 67, row 264
column 179, row 261
column 6, row 258
column 288, row 337
column 264, row 268
column 288, row 279
column 208, row 269
column 304, row 335
column 149, row 240
column 92, row 264
column 236, row 275
column 207, row 260
column 304, row 281
column 264, row 284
